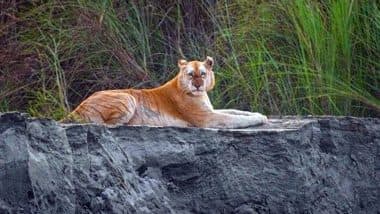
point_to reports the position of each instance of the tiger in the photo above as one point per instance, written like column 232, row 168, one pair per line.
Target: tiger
column 182, row 101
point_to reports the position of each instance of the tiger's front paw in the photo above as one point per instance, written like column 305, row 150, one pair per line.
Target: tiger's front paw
column 260, row 117
column 264, row 119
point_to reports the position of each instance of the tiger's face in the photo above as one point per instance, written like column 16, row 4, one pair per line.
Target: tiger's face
column 196, row 77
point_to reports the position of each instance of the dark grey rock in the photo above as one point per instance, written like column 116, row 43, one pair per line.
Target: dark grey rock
column 291, row 165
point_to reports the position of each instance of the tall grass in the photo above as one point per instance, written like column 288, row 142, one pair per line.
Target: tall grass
column 277, row 57
column 301, row 57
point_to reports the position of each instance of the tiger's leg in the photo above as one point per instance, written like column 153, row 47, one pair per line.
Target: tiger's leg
column 225, row 120
column 236, row 112
column 125, row 111
column 108, row 108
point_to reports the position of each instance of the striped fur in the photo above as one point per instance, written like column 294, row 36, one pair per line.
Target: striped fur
column 182, row 101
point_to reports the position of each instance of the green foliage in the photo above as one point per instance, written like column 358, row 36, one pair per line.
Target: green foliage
column 4, row 105
column 302, row 57
column 47, row 105
column 276, row 57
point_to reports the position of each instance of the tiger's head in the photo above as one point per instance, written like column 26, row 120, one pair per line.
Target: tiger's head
column 196, row 77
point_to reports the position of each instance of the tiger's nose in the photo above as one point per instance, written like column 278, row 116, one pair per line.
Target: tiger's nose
column 197, row 85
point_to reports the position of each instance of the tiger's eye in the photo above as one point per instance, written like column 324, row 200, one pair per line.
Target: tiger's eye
column 203, row 73
column 190, row 72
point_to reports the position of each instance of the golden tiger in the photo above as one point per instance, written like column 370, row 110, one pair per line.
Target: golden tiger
column 182, row 101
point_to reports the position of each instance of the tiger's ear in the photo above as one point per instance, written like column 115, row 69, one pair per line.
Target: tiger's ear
column 209, row 62
column 182, row 62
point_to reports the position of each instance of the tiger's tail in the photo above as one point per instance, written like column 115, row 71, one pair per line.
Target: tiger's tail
column 72, row 117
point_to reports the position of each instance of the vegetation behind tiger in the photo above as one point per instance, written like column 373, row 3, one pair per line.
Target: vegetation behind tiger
column 276, row 57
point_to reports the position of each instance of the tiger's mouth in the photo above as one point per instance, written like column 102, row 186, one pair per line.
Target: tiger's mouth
column 197, row 92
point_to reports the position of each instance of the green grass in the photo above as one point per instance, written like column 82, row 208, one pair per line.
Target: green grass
column 302, row 57
column 277, row 57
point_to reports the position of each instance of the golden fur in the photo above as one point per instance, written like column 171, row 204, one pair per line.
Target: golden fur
column 182, row 101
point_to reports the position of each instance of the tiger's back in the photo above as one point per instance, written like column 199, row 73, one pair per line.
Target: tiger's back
column 109, row 107
column 129, row 106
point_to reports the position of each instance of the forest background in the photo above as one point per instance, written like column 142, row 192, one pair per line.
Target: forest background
column 278, row 57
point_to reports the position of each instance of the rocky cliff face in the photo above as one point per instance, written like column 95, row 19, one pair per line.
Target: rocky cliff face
column 309, row 165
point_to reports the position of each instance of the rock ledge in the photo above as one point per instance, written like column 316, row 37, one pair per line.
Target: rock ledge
column 292, row 165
